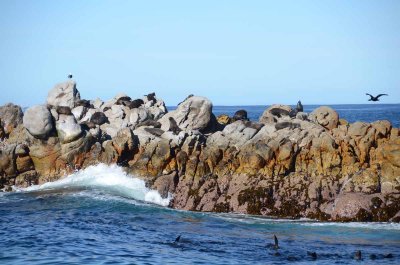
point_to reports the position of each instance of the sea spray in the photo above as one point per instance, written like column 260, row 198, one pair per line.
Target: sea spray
column 109, row 179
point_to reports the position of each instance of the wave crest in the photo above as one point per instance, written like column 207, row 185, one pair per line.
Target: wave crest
column 109, row 179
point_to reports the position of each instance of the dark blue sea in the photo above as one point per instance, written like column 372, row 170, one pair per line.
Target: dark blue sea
column 351, row 113
column 101, row 215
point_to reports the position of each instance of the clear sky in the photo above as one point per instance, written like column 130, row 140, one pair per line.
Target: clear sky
column 233, row 52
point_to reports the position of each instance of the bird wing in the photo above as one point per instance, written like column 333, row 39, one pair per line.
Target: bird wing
column 381, row 95
column 369, row 95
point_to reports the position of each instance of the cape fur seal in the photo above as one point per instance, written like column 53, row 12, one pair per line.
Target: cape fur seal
column 240, row 115
column 191, row 95
column 299, row 106
column 151, row 97
column 99, row 118
column 173, row 126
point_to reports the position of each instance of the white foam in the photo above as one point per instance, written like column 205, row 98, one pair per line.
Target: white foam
column 251, row 219
column 358, row 225
column 109, row 179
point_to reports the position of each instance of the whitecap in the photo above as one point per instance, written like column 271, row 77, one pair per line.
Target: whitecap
column 109, row 179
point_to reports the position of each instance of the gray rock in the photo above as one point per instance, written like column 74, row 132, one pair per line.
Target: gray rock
column 138, row 115
column 275, row 112
column 302, row 116
column 325, row 116
column 64, row 94
column 68, row 129
column 79, row 112
column 192, row 114
column 10, row 117
column 38, row 121
column 97, row 103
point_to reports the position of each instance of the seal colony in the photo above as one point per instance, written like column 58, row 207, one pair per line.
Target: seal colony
column 287, row 164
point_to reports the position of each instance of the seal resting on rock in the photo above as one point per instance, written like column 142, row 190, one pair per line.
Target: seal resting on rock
column 191, row 95
column 64, row 110
column 87, row 125
column 83, row 102
column 99, row 118
column 240, row 115
column 279, row 112
column 135, row 103
column 123, row 101
column 286, row 124
column 151, row 97
column 153, row 123
column 173, row 126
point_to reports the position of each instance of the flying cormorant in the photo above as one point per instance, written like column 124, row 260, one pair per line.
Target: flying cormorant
column 375, row 98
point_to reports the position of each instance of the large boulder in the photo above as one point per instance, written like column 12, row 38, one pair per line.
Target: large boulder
column 325, row 116
column 64, row 94
column 192, row 114
column 38, row 121
column 138, row 115
column 275, row 112
column 10, row 117
column 68, row 129
column 7, row 161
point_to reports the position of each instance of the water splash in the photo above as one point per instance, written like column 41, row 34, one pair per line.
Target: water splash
column 106, row 178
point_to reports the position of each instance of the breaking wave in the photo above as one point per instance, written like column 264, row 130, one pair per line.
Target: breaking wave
column 110, row 179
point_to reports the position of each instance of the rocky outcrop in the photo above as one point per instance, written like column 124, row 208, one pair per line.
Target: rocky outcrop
column 289, row 164
column 64, row 94
column 11, row 116
column 325, row 116
column 192, row 114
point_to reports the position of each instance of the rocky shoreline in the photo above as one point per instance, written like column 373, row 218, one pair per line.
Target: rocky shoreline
column 289, row 164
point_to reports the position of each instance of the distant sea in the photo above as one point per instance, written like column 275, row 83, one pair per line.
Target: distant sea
column 102, row 216
column 349, row 112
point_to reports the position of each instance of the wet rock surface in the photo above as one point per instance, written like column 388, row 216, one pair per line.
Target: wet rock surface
column 289, row 164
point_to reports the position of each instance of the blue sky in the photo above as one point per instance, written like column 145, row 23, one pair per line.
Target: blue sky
column 233, row 52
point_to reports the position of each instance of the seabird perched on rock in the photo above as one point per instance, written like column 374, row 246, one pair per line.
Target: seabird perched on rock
column 69, row 75
column 372, row 98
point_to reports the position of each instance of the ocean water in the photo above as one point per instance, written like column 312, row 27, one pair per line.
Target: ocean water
column 349, row 112
column 100, row 215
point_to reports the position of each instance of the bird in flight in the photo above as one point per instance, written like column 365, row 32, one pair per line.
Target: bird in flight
column 375, row 98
